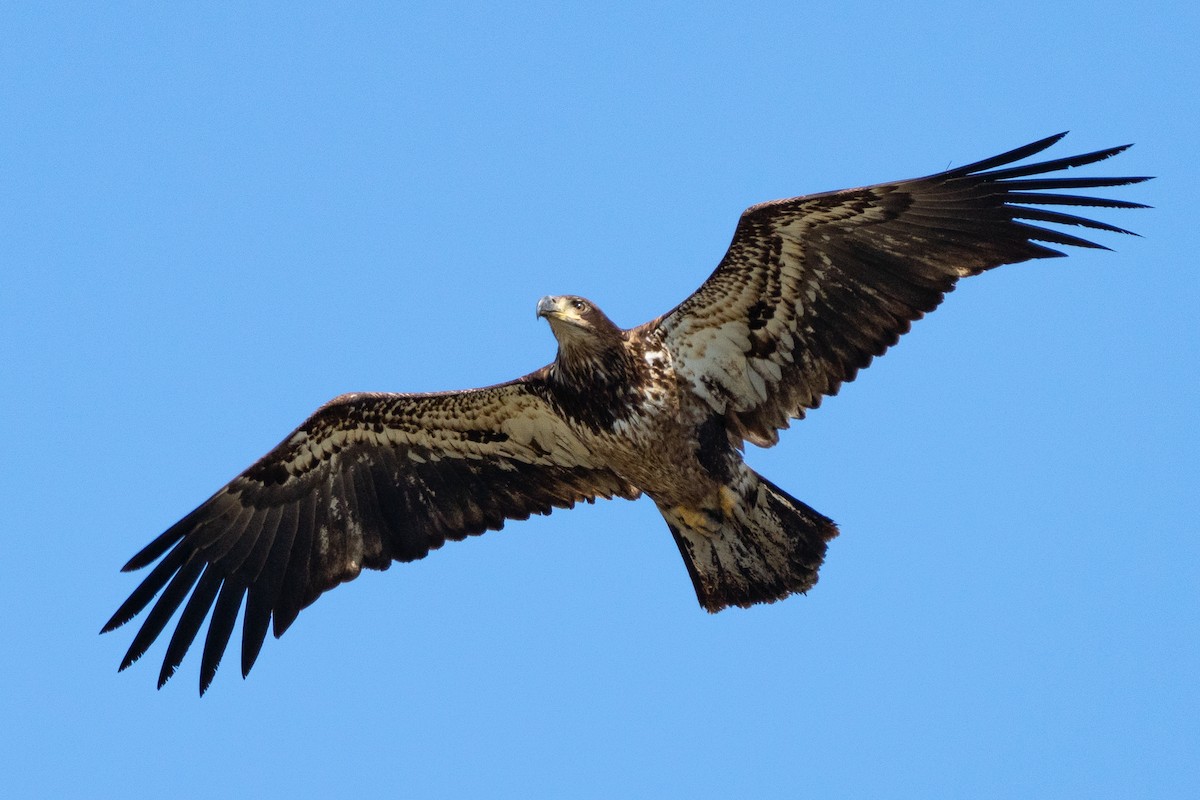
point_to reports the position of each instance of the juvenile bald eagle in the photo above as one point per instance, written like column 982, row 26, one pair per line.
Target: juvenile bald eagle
column 811, row 289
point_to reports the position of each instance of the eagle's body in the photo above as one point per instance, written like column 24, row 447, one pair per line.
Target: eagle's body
column 809, row 292
column 743, row 540
column 637, row 418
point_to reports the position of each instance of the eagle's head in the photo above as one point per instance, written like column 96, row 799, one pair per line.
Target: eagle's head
column 574, row 319
column 587, row 340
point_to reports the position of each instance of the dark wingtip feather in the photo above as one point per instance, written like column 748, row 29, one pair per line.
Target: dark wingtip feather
column 1019, row 192
column 1025, row 151
column 256, row 620
column 114, row 622
column 1039, row 234
column 1045, row 215
column 211, row 511
column 146, row 590
column 1076, row 183
column 189, row 624
column 220, row 628
column 1054, row 165
column 161, row 614
column 153, row 551
column 1036, row 198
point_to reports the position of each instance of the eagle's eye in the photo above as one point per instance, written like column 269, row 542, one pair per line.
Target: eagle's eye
column 579, row 305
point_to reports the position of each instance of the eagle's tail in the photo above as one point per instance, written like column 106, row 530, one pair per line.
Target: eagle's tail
column 757, row 544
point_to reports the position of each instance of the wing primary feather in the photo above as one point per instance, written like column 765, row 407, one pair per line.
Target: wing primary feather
column 201, row 516
column 160, row 615
column 1057, row 237
column 1068, row 200
column 1054, row 165
column 1044, row 215
column 936, row 220
column 148, row 588
column 220, row 628
column 1075, row 183
column 913, row 288
column 1025, row 151
column 242, row 545
column 217, row 526
column 218, row 541
column 153, row 551
column 197, row 608
column 256, row 620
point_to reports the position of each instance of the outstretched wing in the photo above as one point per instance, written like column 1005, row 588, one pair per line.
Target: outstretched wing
column 367, row 479
column 814, row 287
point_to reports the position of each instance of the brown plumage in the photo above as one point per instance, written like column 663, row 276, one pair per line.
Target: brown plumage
column 810, row 290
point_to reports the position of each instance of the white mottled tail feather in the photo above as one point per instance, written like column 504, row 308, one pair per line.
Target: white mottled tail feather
column 756, row 544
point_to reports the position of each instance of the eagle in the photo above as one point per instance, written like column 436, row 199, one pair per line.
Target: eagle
column 810, row 290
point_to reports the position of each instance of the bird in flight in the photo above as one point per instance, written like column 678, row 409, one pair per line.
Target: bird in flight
column 811, row 289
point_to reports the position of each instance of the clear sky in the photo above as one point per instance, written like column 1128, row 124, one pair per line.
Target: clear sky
column 215, row 219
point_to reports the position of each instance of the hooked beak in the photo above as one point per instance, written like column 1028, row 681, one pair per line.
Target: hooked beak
column 548, row 306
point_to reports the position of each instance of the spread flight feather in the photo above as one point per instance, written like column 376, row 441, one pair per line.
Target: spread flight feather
column 811, row 289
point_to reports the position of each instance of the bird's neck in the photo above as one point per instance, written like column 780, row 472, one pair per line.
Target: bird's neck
column 593, row 379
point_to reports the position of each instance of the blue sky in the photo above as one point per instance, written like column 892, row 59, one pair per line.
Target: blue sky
column 216, row 219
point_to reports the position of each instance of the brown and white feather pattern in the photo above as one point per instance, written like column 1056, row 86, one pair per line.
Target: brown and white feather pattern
column 368, row 479
column 814, row 287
